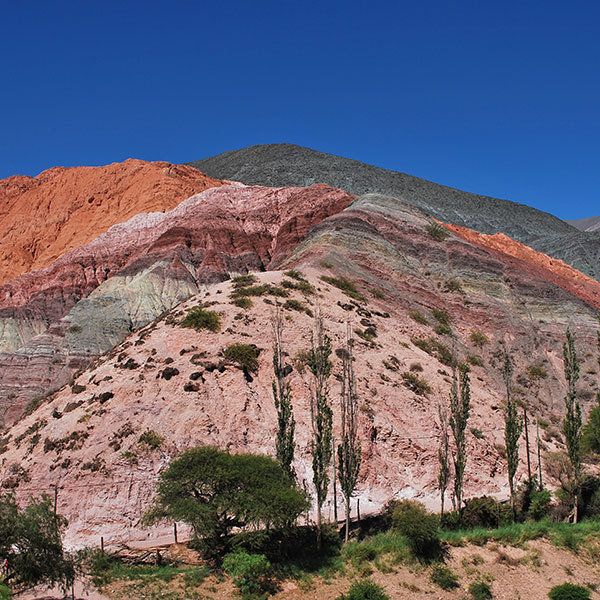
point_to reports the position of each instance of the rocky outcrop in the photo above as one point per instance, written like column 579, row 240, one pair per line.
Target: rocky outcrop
column 63, row 208
column 53, row 320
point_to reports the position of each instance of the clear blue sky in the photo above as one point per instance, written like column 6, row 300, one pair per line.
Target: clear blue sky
column 499, row 98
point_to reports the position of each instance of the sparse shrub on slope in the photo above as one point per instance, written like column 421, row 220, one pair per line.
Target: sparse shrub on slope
column 245, row 355
column 348, row 287
column 478, row 338
column 364, row 589
column 480, row 590
column 419, row 385
column 569, row 591
column 198, row 318
column 250, row 573
column 438, row 232
column 444, row 577
column 420, row 528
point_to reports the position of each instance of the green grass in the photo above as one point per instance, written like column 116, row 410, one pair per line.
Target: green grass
column 348, row 287
column 198, row 318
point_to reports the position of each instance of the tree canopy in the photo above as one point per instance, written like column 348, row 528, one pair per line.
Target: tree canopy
column 31, row 543
column 214, row 491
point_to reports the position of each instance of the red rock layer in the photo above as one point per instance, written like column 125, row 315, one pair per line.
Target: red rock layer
column 63, row 208
column 536, row 263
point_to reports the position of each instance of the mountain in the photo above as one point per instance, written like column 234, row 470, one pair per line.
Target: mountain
column 54, row 320
column 412, row 291
column 587, row 224
column 287, row 164
column 63, row 208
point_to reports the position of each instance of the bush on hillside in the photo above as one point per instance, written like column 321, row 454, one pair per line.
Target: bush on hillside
column 569, row 591
column 198, row 318
column 480, row 590
column 420, row 528
column 444, row 577
column 251, row 573
column 364, row 589
column 482, row 512
column 245, row 355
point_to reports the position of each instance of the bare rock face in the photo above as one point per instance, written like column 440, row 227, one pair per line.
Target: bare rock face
column 52, row 321
column 87, row 437
column 61, row 209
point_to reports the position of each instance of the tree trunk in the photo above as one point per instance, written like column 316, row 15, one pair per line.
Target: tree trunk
column 442, row 509
column 347, row 518
column 319, row 533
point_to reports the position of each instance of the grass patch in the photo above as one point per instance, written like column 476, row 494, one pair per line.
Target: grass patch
column 244, row 355
column 434, row 348
column 242, row 302
column 474, row 360
column 438, row 232
column 478, row 338
column 443, row 577
column 413, row 382
column 348, row 287
column 293, row 304
column 419, row 317
column 441, row 316
column 243, row 280
column 301, row 285
column 264, row 289
column 198, row 318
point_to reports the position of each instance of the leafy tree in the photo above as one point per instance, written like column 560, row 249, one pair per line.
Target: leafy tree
column 31, row 544
column 444, row 456
column 572, row 423
column 460, row 407
column 349, row 451
column 513, row 428
column 214, row 491
column 282, row 395
column 321, row 415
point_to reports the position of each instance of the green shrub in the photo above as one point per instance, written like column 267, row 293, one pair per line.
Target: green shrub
column 420, row 528
column 442, row 329
column 302, row 286
column 453, row 285
column 478, row 338
column 348, row 287
column 437, row 231
column 435, row 348
column 444, row 577
column 242, row 302
column 536, row 372
column 250, row 573
column 377, row 294
column 295, row 274
column 413, row 382
column 293, row 304
column 245, row 355
column 539, row 504
column 475, row 361
column 264, row 289
column 5, row 593
column 441, row 316
column 419, row 317
column 198, row 319
column 483, row 511
column 151, row 439
column 569, row 591
column 243, row 280
column 480, row 590
column 364, row 589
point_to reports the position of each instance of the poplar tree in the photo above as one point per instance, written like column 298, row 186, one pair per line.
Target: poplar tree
column 443, row 456
column 349, row 451
column 572, row 422
column 513, row 428
column 282, row 396
column 460, row 406
column 321, row 415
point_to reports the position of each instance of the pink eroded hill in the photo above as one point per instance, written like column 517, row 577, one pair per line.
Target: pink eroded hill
column 536, row 263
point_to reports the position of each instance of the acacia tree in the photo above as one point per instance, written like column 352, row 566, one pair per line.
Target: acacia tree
column 513, row 428
column 321, row 415
column 444, row 456
column 282, row 396
column 214, row 492
column 460, row 407
column 572, row 423
column 349, row 451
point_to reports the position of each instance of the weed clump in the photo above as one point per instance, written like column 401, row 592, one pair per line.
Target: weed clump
column 480, row 590
column 478, row 338
column 437, row 231
column 293, row 304
column 434, row 348
column 364, row 589
column 245, row 355
column 242, row 302
column 444, row 577
column 198, row 318
column 569, row 591
column 151, row 439
column 419, row 317
column 348, row 287
column 413, row 382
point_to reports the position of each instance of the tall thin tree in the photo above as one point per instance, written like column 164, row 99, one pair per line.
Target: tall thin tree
column 321, row 415
column 349, row 451
column 282, row 396
column 460, row 407
column 443, row 456
column 513, row 428
column 572, row 422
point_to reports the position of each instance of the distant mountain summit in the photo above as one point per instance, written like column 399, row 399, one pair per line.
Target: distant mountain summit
column 587, row 224
column 291, row 165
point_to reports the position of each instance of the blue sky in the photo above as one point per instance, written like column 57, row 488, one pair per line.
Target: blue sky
column 499, row 98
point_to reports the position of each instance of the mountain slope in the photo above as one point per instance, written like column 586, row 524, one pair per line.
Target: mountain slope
column 63, row 208
column 287, row 164
column 587, row 224
column 52, row 321
column 176, row 382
